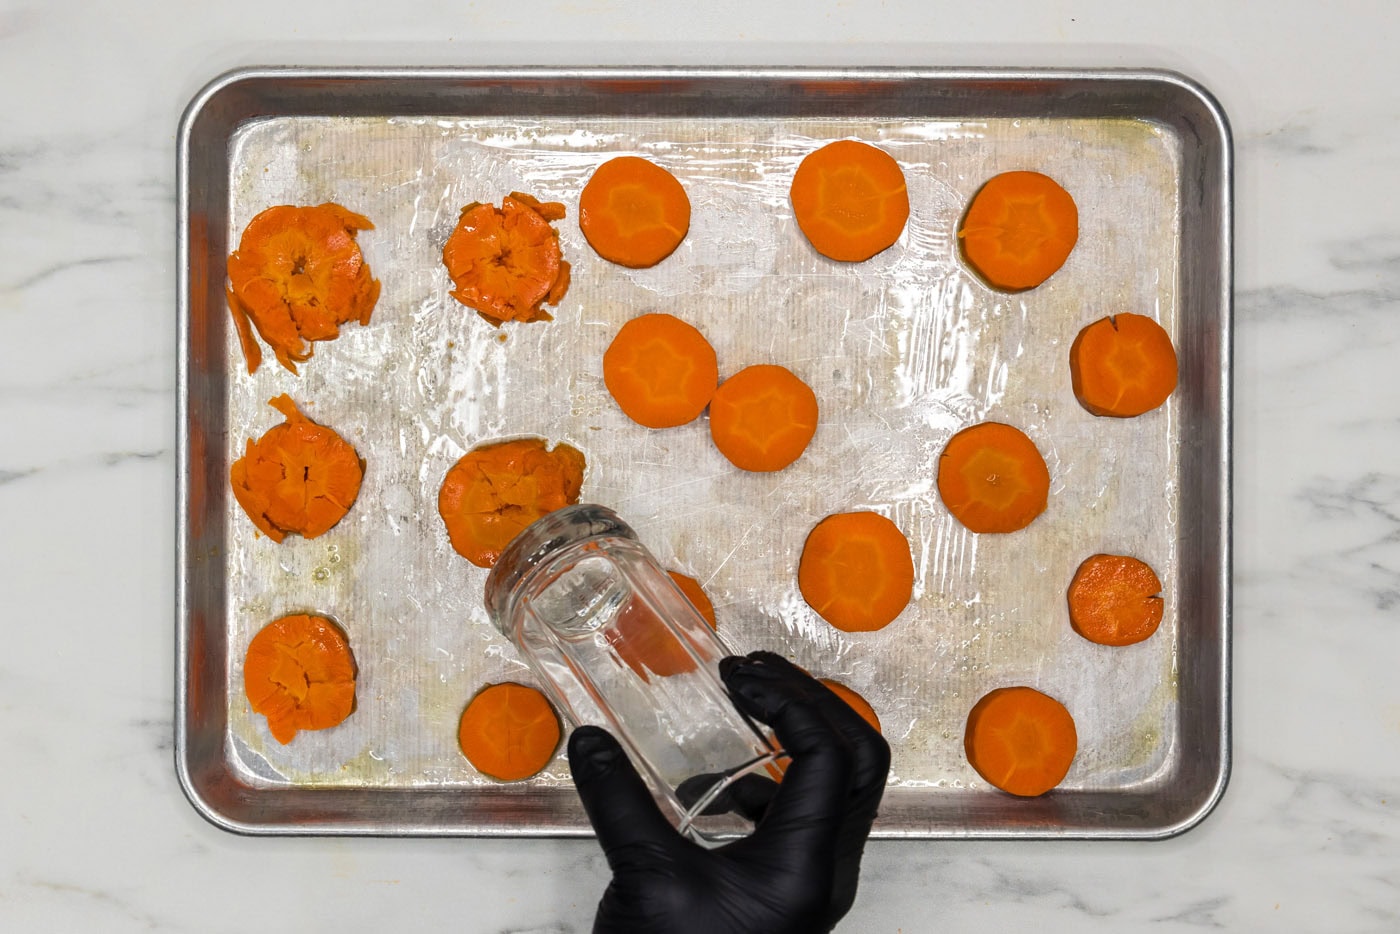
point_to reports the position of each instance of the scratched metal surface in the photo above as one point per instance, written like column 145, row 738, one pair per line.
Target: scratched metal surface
column 902, row 351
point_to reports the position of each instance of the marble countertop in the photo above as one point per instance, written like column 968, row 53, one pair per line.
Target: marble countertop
column 94, row 831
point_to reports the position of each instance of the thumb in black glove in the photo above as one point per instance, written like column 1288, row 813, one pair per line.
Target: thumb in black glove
column 797, row 872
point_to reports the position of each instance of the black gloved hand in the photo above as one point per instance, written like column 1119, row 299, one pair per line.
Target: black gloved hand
column 796, row 873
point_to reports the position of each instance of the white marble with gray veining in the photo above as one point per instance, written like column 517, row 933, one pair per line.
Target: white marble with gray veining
column 94, row 832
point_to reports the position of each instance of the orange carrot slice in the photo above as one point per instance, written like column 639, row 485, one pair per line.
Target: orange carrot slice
column 696, row 595
column 853, row 700
column 633, row 212
column 299, row 673
column 762, row 418
column 850, row 200
column 648, row 646
column 1122, row 366
column 856, row 571
column 1115, row 600
column 298, row 477
column 508, row 732
column 506, row 262
column 992, row 478
column 296, row 277
column 660, row 370
column 494, row 491
column 1019, row 229
column 1020, row 740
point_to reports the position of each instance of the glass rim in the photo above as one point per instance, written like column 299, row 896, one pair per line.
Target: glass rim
column 538, row 546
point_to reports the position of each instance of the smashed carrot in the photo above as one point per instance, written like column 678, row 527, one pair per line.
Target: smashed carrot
column 506, row 262
column 633, row 212
column 1020, row 740
column 1122, row 366
column 696, row 595
column 298, row 477
column 660, row 370
column 856, row 571
column 1019, row 229
column 850, row 200
column 300, row 674
column 992, row 478
column 762, row 418
column 853, row 700
column 296, row 277
column 494, row 491
column 1115, row 600
column 508, row 731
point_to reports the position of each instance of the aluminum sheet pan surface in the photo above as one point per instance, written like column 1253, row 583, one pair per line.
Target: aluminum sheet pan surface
column 902, row 351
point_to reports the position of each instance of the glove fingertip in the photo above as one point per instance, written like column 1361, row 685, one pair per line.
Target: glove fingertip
column 616, row 799
column 593, row 752
column 729, row 664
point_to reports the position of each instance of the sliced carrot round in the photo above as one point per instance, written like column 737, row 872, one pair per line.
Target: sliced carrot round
column 853, row 700
column 1019, row 229
column 762, row 418
column 856, row 571
column 660, row 370
column 647, row 645
column 633, row 212
column 508, row 731
column 850, row 200
column 1115, row 600
column 1020, row 740
column 992, row 478
column 299, row 673
column 696, row 595
column 1123, row 366
column 298, row 477
column 494, row 491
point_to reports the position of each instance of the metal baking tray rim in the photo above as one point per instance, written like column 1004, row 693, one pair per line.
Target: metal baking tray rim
column 196, row 788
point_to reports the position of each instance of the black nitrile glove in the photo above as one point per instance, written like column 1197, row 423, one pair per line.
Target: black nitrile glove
column 797, row 872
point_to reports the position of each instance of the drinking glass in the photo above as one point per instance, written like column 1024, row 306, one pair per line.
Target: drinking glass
column 617, row 644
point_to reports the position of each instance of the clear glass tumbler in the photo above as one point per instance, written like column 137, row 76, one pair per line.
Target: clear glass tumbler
column 618, row 645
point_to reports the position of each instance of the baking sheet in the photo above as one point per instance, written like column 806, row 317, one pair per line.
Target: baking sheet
column 902, row 351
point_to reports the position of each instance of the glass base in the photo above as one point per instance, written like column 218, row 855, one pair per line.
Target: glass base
column 694, row 819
